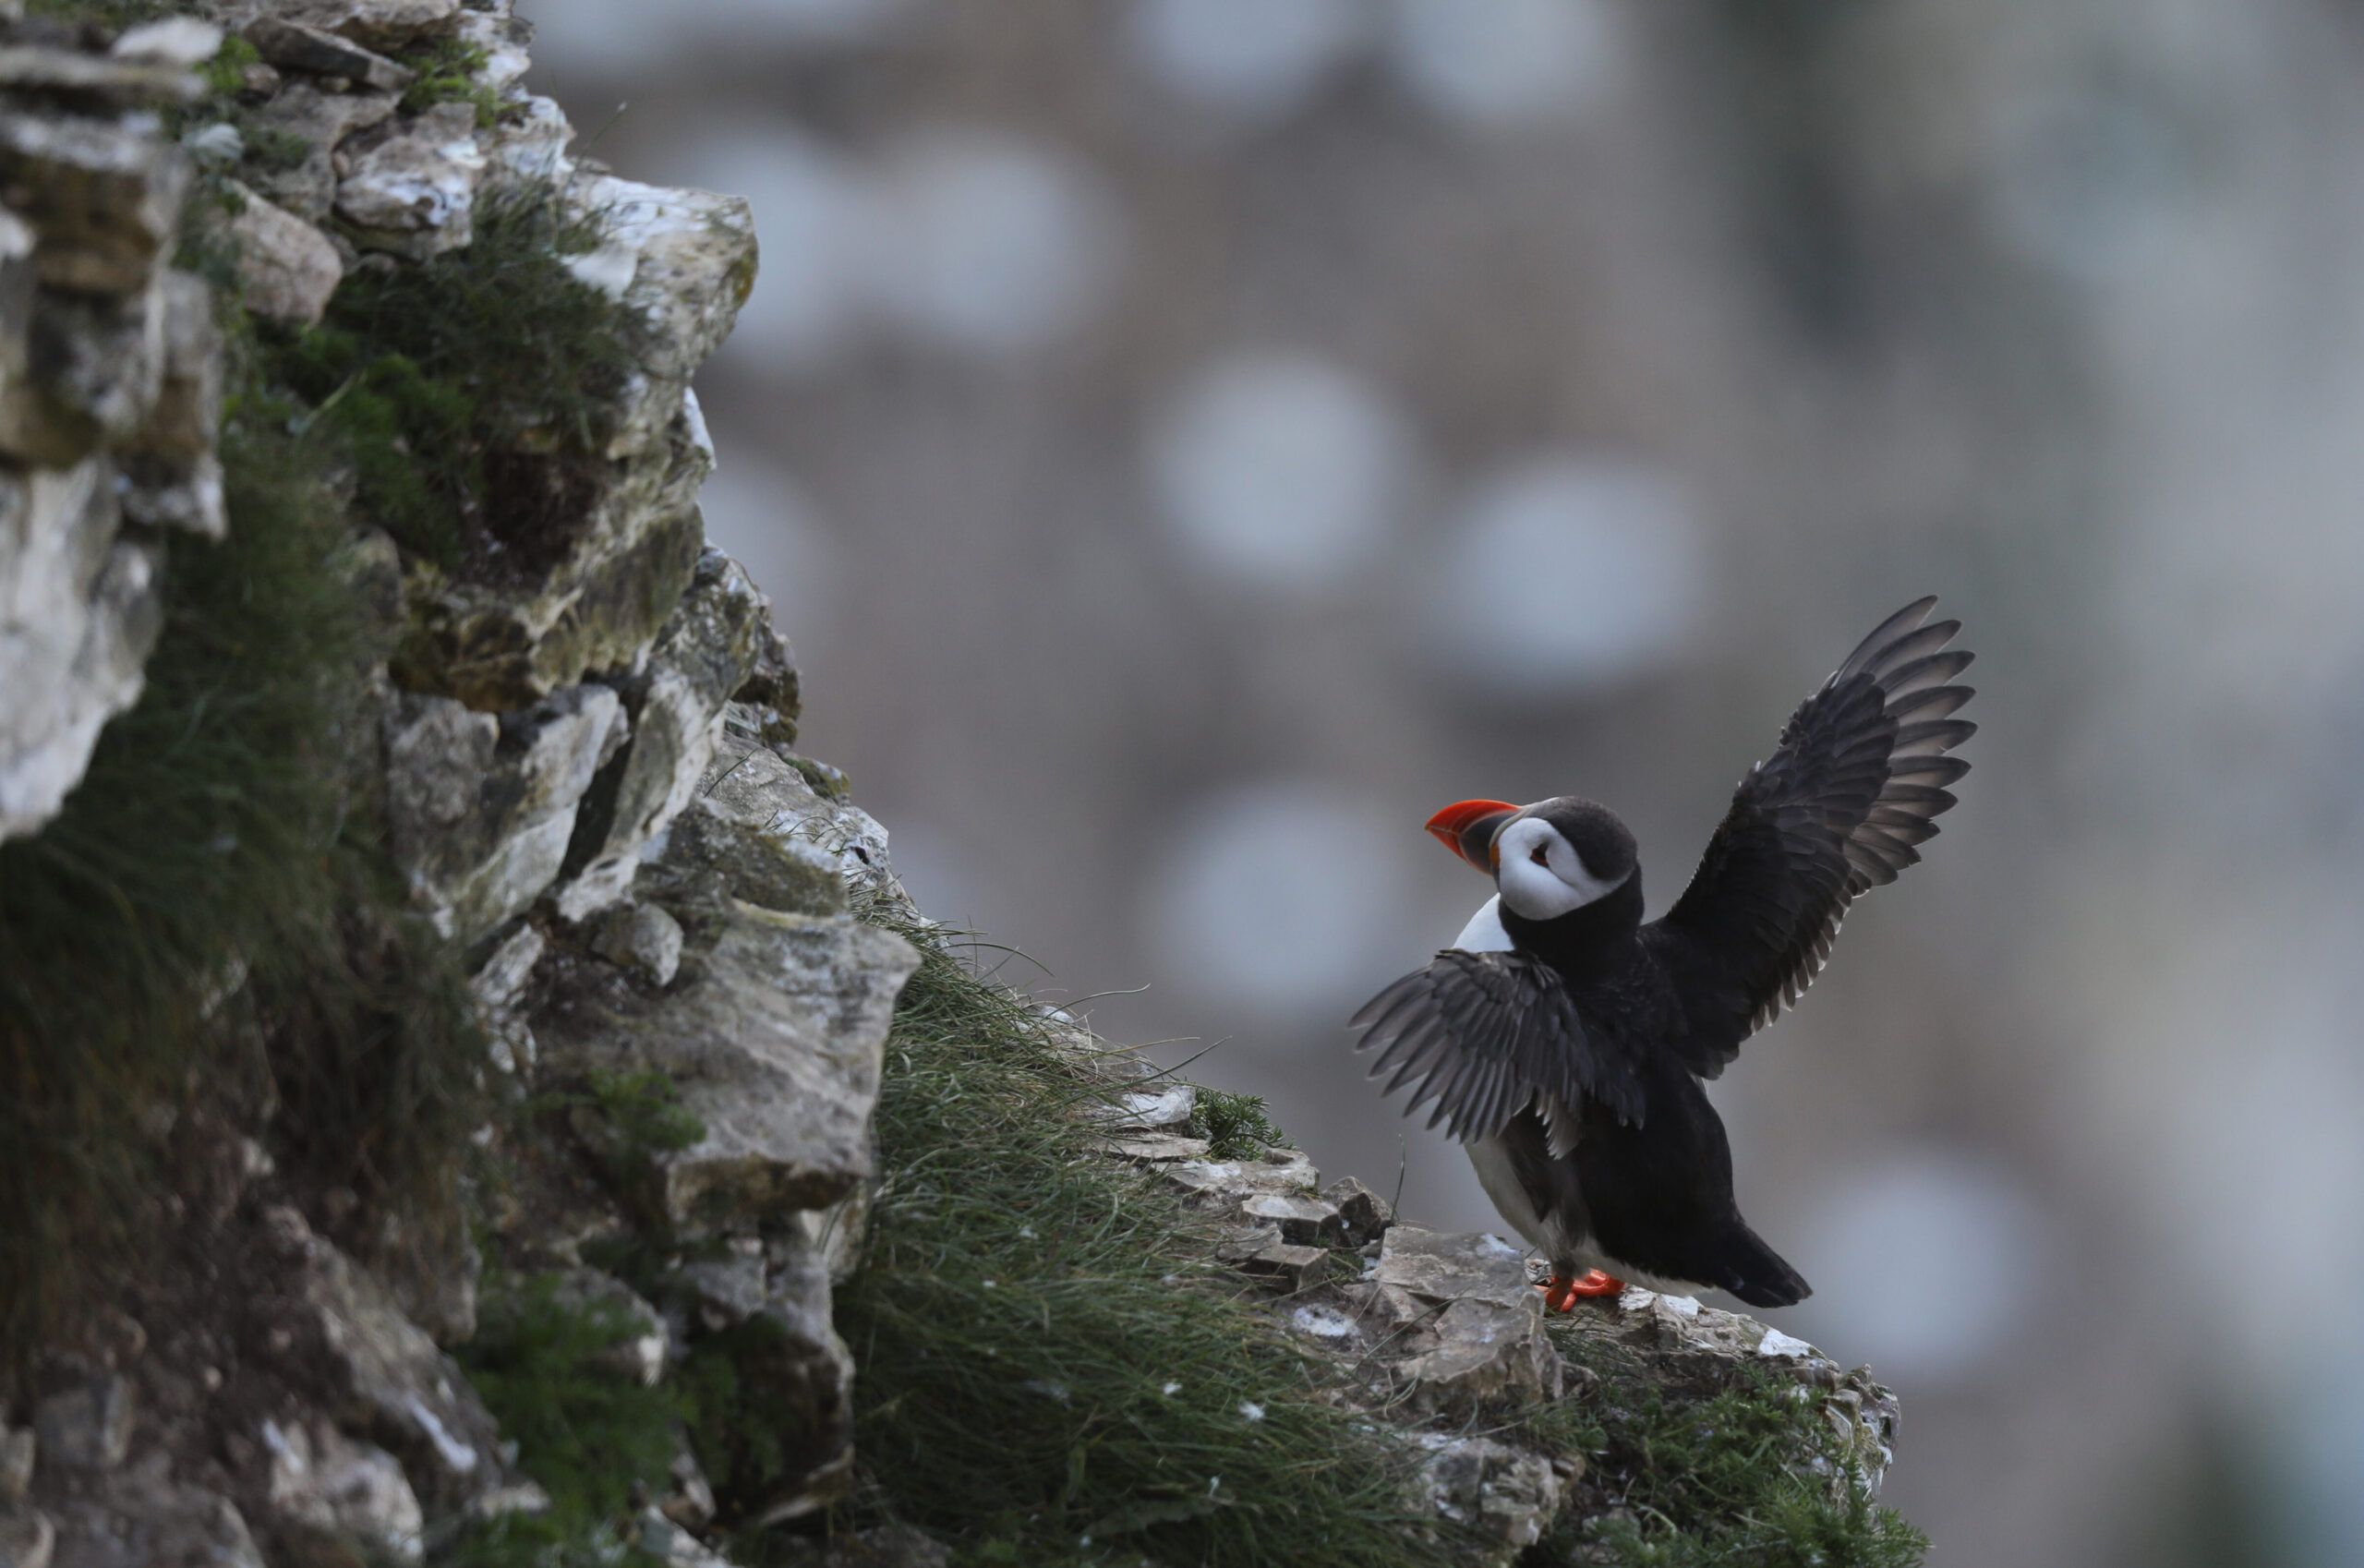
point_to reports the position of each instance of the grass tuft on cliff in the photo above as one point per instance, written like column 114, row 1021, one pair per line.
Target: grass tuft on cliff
column 448, row 71
column 207, row 927
column 1234, row 1125
column 1051, row 1371
column 589, row 1434
column 467, row 392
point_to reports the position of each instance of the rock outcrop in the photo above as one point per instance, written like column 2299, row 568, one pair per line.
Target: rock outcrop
column 110, row 389
column 1433, row 1329
column 577, row 748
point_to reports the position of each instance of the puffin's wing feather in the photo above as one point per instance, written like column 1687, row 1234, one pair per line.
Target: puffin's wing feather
column 1837, row 810
column 1482, row 1036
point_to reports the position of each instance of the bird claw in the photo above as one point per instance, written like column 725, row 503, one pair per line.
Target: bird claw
column 1562, row 1292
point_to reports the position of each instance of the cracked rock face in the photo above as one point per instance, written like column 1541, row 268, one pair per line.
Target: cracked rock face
column 390, row 1379
column 382, row 24
column 296, row 47
column 545, row 758
column 287, row 268
column 1472, row 1326
column 78, row 611
column 335, row 1488
column 620, row 575
column 772, row 1035
column 482, row 808
column 705, row 652
column 684, row 261
column 320, row 121
column 109, row 392
column 103, row 195
column 154, row 1519
column 413, row 193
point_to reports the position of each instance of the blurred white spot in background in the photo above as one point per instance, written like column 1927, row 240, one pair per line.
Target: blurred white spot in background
column 1923, row 1263
column 1276, row 895
column 2089, row 182
column 988, row 243
column 812, row 224
column 758, row 512
column 631, row 37
column 1251, row 60
column 1503, row 62
column 1282, row 470
column 1566, row 573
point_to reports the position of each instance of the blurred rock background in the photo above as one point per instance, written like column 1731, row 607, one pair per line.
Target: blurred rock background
column 1189, row 440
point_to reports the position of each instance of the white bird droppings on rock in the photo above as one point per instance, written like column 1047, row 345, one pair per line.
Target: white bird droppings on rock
column 1322, row 1323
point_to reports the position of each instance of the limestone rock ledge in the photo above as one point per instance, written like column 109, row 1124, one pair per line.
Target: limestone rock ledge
column 1436, row 1328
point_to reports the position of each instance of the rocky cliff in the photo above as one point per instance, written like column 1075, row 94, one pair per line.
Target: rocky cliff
column 474, row 1092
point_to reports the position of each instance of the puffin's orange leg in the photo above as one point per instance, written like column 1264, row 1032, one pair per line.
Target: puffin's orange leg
column 1562, row 1292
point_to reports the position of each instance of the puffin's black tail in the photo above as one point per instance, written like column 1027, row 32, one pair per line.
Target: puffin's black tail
column 1755, row 1274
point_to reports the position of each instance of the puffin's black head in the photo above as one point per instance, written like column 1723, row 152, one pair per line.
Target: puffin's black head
column 1550, row 859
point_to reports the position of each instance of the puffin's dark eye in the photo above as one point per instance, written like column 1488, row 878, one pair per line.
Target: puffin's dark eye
column 1539, row 857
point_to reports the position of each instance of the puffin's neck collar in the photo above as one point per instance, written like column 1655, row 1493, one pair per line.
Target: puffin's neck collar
column 1583, row 938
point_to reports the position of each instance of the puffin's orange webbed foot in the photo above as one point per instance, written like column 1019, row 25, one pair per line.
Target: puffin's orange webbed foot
column 1561, row 1292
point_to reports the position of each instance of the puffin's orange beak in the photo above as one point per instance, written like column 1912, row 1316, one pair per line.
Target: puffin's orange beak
column 1466, row 828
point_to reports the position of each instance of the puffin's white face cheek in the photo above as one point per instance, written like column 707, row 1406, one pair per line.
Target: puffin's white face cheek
column 1540, row 875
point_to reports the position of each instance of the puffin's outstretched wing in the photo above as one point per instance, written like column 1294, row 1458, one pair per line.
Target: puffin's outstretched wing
column 1835, row 811
column 1483, row 1034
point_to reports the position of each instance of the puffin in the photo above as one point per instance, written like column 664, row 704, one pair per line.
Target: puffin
column 1565, row 1041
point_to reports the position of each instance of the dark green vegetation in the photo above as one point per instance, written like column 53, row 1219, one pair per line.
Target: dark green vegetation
column 1051, row 1371
column 731, row 1412
column 447, row 69
column 1690, row 1476
column 115, row 14
column 215, row 838
column 426, row 376
column 646, row 1111
column 586, row 1432
column 1234, row 1125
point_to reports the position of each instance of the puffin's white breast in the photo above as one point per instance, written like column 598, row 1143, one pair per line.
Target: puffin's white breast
column 1484, row 933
